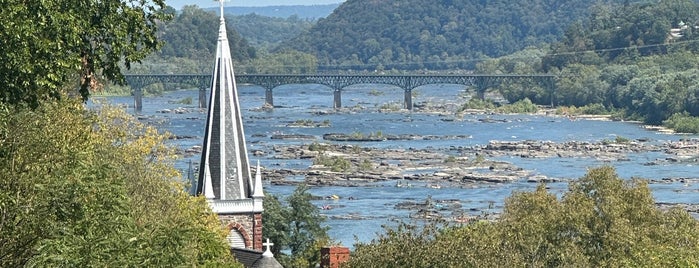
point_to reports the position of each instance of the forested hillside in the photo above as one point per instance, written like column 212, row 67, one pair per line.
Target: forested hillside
column 190, row 43
column 638, row 60
column 444, row 34
column 305, row 12
column 263, row 32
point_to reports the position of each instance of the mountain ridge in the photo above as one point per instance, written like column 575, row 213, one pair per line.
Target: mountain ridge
column 312, row 12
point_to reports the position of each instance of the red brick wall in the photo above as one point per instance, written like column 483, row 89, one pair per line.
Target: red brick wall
column 258, row 232
column 251, row 231
column 333, row 257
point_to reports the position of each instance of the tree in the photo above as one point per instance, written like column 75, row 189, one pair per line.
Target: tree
column 295, row 228
column 580, row 85
column 49, row 46
column 601, row 221
column 83, row 188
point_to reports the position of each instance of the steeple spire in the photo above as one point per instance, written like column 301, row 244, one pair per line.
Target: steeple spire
column 224, row 173
column 257, row 192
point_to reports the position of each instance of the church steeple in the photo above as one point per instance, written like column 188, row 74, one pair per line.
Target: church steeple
column 224, row 173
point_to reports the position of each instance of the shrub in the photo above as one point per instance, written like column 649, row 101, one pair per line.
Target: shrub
column 476, row 103
column 335, row 163
column 520, row 107
column 683, row 123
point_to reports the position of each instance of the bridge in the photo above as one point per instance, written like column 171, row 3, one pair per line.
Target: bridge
column 337, row 82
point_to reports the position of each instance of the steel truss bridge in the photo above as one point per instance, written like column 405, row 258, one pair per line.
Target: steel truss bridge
column 337, row 82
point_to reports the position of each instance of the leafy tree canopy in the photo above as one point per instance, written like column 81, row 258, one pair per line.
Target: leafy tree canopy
column 295, row 228
column 601, row 221
column 85, row 189
column 46, row 44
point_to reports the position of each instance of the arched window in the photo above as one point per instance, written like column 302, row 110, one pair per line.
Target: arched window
column 235, row 239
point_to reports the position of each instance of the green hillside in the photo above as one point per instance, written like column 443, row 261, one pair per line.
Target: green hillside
column 189, row 43
column 444, row 34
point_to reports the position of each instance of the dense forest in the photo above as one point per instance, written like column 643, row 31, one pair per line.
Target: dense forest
column 446, row 34
column 638, row 60
column 189, row 43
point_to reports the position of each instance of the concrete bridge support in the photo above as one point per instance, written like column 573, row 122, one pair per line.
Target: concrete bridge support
column 408, row 103
column 202, row 97
column 337, row 100
column 138, row 99
column 269, row 98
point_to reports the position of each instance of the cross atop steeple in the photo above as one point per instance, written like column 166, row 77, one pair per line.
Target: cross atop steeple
column 221, row 6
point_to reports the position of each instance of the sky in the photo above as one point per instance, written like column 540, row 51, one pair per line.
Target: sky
column 178, row 4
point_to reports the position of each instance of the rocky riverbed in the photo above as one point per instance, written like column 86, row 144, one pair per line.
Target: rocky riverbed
column 461, row 167
column 350, row 160
column 457, row 166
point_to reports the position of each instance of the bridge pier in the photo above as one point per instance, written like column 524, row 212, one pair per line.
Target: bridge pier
column 408, row 103
column 202, row 98
column 269, row 99
column 138, row 99
column 480, row 94
column 337, row 99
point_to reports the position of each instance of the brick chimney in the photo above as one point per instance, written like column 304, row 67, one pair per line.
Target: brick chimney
column 333, row 257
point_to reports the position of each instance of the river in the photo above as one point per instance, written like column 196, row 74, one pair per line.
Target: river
column 373, row 205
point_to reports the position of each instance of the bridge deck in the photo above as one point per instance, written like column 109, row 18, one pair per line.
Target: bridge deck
column 337, row 82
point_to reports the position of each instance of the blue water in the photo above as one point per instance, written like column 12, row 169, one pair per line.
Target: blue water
column 374, row 204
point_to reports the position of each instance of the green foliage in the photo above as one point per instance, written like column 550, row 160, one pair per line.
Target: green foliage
column 443, row 35
column 683, row 123
column 365, row 165
column 624, row 58
column 616, row 140
column 527, row 61
column 375, row 92
column 185, row 101
column 590, row 109
column 190, row 44
column 520, row 107
column 317, row 147
column 335, row 163
column 621, row 140
column 295, row 228
column 52, row 47
column 310, row 123
column 287, row 62
column 265, row 32
column 580, row 85
column 83, row 189
column 479, row 159
column 391, row 106
column 477, row 104
column 601, row 221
